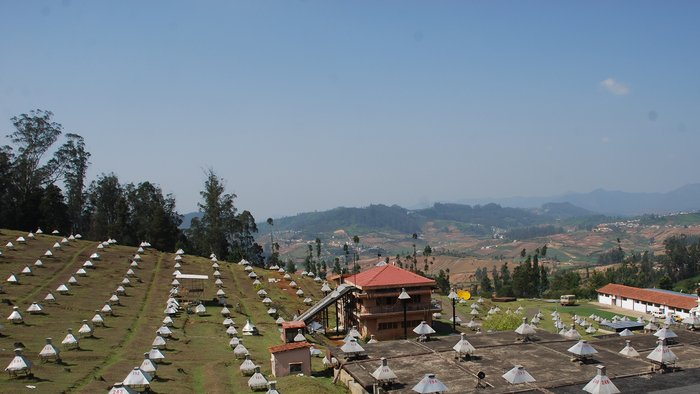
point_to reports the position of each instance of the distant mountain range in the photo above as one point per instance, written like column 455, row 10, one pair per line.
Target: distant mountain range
column 506, row 213
column 616, row 203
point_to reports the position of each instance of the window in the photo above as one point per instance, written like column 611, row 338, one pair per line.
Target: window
column 294, row 368
column 624, row 298
column 388, row 326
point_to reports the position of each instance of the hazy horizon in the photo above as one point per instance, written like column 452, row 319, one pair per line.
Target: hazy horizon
column 308, row 106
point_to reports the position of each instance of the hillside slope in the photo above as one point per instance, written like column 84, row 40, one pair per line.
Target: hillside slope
column 198, row 359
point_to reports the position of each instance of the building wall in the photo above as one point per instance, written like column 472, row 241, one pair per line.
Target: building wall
column 391, row 326
column 280, row 361
column 639, row 306
column 604, row 299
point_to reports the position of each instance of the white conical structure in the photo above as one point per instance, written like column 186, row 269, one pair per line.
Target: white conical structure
column 300, row 336
column 300, row 293
column 200, row 310
column 572, row 334
column 582, row 348
column 518, row 375
column 601, row 384
column 257, row 381
column 120, row 290
column 35, row 309
column 383, row 373
column 119, row 388
column 95, row 256
column 628, row 350
column 235, row 341
column 267, row 301
column 73, row 281
column 168, row 321
column 225, row 312
column 85, row 330
column 70, row 341
column 27, row 271
column 48, row 253
column 138, row 379
column 423, row 329
column 164, row 331
column 247, row 367
column 240, row 351
column 156, row 355
column 352, row 347
column 107, row 309
column 693, row 321
column 39, row 264
column 665, row 333
column 272, row 312
column 626, row 333
column 49, row 352
column 98, row 320
column 16, row 317
column 525, row 329
column 19, row 364
column 180, row 252
column 88, row 264
column 279, row 321
column 158, row 343
column 12, row 279
column 249, row 328
column 662, row 354
column 114, row 299
column 148, row 365
column 50, row 297
column 430, row 384
column 463, row 347
column 590, row 329
column 231, row 331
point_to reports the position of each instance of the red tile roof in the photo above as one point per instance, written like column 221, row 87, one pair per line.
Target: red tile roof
column 388, row 276
column 647, row 295
column 293, row 324
column 288, row 346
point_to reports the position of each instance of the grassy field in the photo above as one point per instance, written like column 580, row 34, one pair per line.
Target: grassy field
column 197, row 360
column 532, row 306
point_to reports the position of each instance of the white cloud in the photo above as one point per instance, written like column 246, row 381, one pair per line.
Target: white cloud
column 615, row 87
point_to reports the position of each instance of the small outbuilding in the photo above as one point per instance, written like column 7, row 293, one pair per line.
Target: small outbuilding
column 291, row 359
column 290, row 329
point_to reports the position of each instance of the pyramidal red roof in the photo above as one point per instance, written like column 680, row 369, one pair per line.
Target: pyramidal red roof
column 386, row 276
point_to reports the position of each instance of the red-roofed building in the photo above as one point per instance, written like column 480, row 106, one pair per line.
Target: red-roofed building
column 378, row 310
column 647, row 300
column 290, row 329
column 291, row 358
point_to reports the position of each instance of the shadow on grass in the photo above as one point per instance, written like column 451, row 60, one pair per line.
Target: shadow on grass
column 32, row 378
column 326, row 373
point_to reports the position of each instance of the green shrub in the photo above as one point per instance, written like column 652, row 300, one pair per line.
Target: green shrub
column 502, row 322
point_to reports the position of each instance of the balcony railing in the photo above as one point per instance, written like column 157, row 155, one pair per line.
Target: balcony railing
column 434, row 306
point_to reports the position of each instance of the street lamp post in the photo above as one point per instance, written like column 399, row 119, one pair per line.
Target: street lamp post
column 453, row 296
column 404, row 297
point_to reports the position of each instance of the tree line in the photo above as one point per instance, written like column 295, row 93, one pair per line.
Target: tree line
column 679, row 263
column 43, row 185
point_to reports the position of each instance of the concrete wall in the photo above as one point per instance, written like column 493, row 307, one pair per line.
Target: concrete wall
column 349, row 382
column 280, row 361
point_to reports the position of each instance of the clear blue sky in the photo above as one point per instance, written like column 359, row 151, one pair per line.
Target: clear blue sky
column 306, row 105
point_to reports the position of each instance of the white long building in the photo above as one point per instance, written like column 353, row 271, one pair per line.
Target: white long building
column 648, row 300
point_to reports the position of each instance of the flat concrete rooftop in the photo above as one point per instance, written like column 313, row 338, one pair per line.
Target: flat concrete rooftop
column 546, row 359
